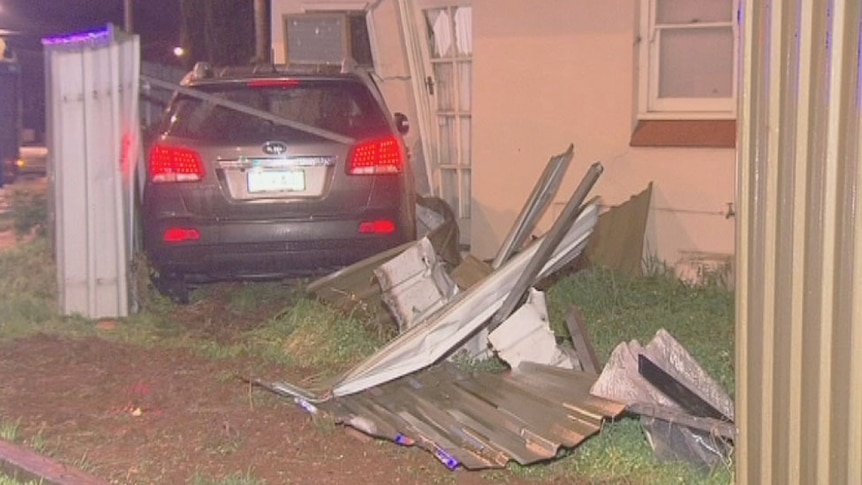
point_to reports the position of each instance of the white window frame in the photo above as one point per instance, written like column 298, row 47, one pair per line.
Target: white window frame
column 650, row 106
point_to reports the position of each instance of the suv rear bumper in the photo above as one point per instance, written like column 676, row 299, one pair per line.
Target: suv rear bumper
column 230, row 250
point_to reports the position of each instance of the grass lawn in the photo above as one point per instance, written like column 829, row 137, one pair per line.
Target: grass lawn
column 616, row 309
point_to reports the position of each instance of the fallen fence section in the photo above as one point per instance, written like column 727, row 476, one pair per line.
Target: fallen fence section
column 684, row 412
column 480, row 420
column 445, row 306
column 415, row 284
column 429, row 341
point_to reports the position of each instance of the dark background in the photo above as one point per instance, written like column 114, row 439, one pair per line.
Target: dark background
column 218, row 31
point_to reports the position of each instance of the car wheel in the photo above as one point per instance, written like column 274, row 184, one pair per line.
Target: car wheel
column 172, row 286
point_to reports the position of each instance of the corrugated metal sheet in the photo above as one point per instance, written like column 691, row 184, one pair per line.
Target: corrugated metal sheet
column 427, row 343
column 93, row 139
column 480, row 420
column 799, row 244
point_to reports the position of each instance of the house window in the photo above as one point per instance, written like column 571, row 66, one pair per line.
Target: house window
column 687, row 60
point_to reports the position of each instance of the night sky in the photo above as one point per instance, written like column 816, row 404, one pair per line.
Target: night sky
column 156, row 21
column 153, row 19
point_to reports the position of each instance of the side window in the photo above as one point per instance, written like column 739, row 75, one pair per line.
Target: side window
column 687, row 75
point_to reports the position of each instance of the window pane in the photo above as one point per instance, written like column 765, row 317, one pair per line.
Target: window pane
column 466, row 195
column 449, row 188
column 439, row 32
column 696, row 63
column 465, row 141
column 464, row 30
column 693, row 11
column 448, row 146
column 445, row 86
column 464, row 70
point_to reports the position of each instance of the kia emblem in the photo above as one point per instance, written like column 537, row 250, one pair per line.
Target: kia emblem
column 275, row 148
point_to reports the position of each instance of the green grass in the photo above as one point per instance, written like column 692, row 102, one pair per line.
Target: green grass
column 619, row 308
column 7, row 480
column 29, row 211
column 307, row 333
column 312, row 334
column 9, row 430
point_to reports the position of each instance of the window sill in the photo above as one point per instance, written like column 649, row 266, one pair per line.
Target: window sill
column 685, row 133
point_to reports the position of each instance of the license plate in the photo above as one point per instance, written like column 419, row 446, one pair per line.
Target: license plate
column 276, row 181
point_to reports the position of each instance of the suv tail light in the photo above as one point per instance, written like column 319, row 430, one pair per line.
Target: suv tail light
column 379, row 226
column 380, row 156
column 181, row 234
column 175, row 164
column 273, row 83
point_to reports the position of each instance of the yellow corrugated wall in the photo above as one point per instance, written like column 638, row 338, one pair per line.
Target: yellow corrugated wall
column 799, row 245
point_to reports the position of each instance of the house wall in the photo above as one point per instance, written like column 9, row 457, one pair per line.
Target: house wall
column 548, row 73
column 552, row 72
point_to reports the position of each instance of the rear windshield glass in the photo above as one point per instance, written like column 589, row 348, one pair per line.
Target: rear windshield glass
column 343, row 107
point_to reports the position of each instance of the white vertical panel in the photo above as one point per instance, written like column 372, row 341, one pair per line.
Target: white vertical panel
column 799, row 245
column 66, row 97
column 92, row 90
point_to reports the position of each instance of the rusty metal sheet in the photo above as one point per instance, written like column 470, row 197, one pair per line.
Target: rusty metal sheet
column 480, row 420
column 581, row 343
column 618, row 241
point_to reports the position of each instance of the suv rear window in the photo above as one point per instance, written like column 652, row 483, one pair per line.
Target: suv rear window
column 343, row 107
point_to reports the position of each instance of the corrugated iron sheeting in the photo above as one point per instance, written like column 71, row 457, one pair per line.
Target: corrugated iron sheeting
column 480, row 420
column 799, row 245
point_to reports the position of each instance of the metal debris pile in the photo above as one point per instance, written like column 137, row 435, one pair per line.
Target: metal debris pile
column 449, row 307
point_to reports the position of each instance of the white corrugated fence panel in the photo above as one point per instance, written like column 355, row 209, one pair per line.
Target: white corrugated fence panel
column 799, row 245
column 92, row 88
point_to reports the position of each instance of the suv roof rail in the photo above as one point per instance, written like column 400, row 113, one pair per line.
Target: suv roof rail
column 205, row 70
column 348, row 65
column 202, row 69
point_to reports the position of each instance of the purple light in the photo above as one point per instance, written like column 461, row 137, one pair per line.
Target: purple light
column 93, row 37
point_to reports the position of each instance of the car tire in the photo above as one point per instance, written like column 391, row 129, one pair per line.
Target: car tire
column 172, row 286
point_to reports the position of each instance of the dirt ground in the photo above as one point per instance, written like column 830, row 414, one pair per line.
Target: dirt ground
column 137, row 415
column 152, row 415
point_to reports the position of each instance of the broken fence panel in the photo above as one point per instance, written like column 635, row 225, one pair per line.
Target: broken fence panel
column 583, row 347
column 414, row 284
column 712, row 426
column 677, row 390
column 431, row 340
column 527, row 336
column 665, row 376
column 541, row 197
column 548, row 244
column 480, row 420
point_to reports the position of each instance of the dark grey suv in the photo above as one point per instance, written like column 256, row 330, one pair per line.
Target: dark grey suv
column 274, row 172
